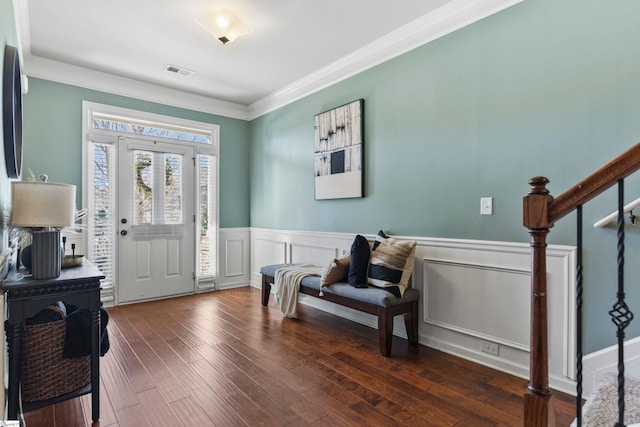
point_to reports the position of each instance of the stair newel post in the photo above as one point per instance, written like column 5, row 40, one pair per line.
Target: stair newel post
column 538, row 400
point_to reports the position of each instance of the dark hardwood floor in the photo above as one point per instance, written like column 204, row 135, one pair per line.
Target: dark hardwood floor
column 221, row 359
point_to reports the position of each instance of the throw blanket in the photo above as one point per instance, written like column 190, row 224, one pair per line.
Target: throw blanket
column 287, row 283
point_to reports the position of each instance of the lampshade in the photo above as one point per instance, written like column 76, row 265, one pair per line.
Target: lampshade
column 223, row 25
column 42, row 204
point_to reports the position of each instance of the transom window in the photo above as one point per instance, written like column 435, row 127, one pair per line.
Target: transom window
column 147, row 128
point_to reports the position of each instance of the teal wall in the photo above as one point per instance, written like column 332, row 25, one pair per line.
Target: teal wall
column 53, row 141
column 543, row 88
column 8, row 36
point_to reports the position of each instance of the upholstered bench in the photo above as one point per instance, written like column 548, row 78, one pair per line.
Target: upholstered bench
column 370, row 300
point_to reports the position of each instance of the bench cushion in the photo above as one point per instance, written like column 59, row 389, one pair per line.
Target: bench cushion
column 371, row 294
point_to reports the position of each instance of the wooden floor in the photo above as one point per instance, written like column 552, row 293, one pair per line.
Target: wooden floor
column 221, row 359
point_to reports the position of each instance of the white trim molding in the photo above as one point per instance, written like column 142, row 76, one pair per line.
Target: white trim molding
column 233, row 258
column 47, row 69
column 446, row 19
column 595, row 364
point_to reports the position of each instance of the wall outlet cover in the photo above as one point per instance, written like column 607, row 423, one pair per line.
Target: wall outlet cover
column 486, row 206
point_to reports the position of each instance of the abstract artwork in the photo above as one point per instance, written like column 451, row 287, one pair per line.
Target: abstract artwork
column 338, row 152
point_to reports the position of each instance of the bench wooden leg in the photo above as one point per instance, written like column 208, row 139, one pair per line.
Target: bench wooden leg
column 411, row 323
column 385, row 331
column 266, row 290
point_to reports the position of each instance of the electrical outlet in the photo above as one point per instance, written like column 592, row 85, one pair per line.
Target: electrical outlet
column 491, row 348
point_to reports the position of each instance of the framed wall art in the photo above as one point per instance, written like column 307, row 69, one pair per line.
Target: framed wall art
column 339, row 140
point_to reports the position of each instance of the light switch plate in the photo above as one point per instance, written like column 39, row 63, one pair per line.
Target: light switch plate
column 486, row 206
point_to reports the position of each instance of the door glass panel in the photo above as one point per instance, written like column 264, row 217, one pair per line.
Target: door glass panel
column 172, row 189
column 101, row 227
column 143, row 187
column 206, row 216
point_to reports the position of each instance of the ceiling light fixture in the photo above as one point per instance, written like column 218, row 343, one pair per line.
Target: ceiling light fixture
column 223, row 25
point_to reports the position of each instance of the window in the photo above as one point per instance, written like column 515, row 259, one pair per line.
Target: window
column 207, row 226
column 147, row 128
column 101, row 220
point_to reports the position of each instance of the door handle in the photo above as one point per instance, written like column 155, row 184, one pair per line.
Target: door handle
column 123, row 233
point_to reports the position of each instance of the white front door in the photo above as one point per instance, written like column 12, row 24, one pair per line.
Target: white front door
column 156, row 226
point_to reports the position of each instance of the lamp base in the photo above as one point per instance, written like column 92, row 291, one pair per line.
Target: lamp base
column 45, row 255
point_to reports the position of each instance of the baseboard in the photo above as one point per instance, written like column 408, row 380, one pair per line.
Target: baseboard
column 606, row 360
column 520, row 370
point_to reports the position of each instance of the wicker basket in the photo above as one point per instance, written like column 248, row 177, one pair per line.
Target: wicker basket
column 45, row 374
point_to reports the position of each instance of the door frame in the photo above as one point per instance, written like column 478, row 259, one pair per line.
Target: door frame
column 109, row 293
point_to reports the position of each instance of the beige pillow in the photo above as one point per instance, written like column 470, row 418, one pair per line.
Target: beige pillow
column 336, row 271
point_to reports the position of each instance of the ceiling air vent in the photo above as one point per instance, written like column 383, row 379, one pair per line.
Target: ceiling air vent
column 178, row 70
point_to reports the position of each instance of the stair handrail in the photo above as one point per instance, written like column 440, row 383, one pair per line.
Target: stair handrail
column 540, row 212
column 596, row 183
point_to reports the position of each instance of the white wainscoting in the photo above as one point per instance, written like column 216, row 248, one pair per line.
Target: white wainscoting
column 478, row 291
column 470, row 292
column 451, row 284
column 233, row 260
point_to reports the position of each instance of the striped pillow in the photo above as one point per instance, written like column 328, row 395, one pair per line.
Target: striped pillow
column 391, row 264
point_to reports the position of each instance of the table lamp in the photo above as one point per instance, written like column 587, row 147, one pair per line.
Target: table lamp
column 44, row 208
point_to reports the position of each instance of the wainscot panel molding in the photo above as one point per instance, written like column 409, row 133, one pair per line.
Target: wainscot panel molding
column 233, row 261
column 474, row 295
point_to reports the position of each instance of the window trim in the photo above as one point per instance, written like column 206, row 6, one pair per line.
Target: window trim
column 89, row 108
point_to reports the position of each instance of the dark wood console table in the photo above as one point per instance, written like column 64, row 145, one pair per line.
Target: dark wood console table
column 25, row 297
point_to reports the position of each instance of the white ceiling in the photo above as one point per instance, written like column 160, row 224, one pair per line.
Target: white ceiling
column 294, row 48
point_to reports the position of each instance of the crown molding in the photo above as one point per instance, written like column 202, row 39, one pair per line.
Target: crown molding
column 36, row 66
column 442, row 21
column 21, row 18
column 450, row 17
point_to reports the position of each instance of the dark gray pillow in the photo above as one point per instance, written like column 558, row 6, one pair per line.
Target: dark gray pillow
column 359, row 262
